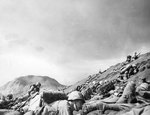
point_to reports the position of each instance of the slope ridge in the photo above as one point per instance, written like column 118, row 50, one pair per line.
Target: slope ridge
column 20, row 85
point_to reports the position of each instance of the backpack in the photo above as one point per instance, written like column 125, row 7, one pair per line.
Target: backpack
column 46, row 98
column 51, row 96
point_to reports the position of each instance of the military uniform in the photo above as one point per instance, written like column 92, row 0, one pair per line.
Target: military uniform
column 58, row 108
column 33, row 89
column 128, row 95
column 142, row 87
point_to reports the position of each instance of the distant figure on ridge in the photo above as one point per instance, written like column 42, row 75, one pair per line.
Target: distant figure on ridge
column 136, row 56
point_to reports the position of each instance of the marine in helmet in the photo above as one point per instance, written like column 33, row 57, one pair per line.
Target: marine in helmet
column 76, row 99
column 66, row 107
column 136, row 56
column 9, row 97
column 129, row 57
column 101, row 82
column 34, row 88
column 144, row 86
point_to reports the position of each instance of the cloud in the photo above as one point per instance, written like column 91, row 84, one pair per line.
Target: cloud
column 75, row 35
column 110, row 28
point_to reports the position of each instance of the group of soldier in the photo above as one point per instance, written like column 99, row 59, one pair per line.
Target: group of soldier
column 119, row 95
column 76, row 101
column 9, row 102
column 132, row 58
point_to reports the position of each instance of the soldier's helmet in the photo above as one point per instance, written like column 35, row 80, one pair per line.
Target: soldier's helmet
column 38, row 84
column 100, row 82
column 10, row 96
column 75, row 95
column 106, row 81
column 133, row 65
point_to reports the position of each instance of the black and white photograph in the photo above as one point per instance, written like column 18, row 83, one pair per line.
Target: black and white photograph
column 74, row 57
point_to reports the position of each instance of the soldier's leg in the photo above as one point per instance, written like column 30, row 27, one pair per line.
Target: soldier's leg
column 95, row 105
column 117, row 107
column 87, row 108
column 134, row 112
column 128, row 93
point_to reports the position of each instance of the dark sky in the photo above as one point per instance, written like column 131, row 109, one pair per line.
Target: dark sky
column 70, row 39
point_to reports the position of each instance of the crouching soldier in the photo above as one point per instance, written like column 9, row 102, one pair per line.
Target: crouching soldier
column 34, row 88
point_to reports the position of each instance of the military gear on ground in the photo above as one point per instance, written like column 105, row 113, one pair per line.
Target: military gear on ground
column 104, row 89
column 87, row 93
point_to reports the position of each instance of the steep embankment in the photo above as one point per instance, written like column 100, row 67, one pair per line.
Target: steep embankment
column 143, row 64
column 20, row 85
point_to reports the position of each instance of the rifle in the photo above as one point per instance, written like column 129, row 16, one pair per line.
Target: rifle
column 29, row 98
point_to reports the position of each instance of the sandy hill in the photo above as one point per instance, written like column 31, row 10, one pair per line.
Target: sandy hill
column 143, row 64
column 20, row 85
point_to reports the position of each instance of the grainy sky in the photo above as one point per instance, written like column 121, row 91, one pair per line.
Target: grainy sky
column 70, row 39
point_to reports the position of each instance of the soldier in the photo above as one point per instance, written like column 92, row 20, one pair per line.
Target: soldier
column 120, row 78
column 34, row 88
column 9, row 97
column 128, row 95
column 87, row 93
column 78, row 88
column 143, row 89
column 123, row 103
column 143, row 86
column 65, row 107
column 136, row 56
column 129, row 57
column 7, row 102
column 102, row 107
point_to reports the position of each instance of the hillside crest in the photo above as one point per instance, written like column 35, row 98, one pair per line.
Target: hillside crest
column 20, row 85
